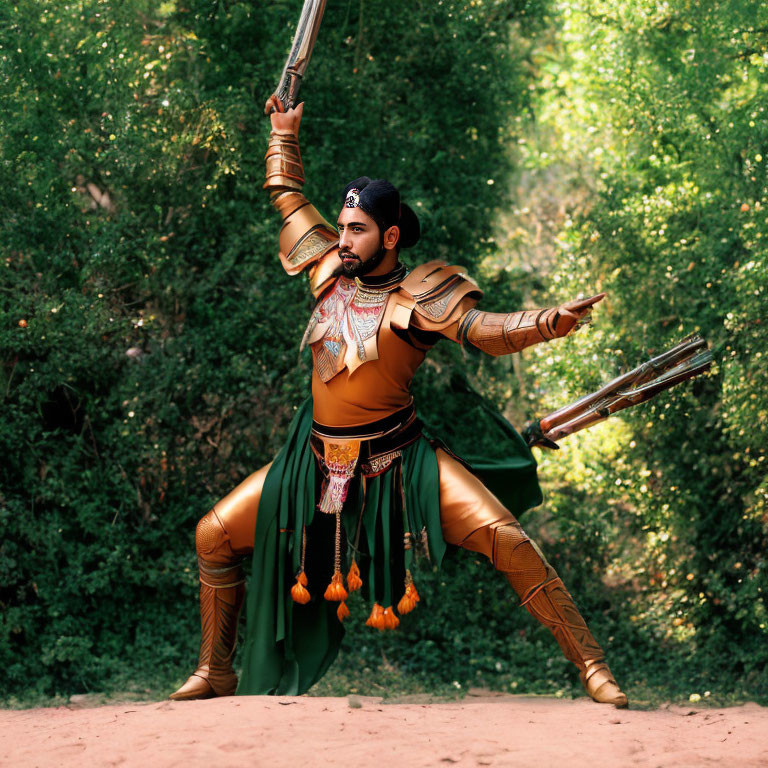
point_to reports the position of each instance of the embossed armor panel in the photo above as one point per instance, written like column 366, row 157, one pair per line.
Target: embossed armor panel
column 367, row 332
column 342, row 329
column 361, row 391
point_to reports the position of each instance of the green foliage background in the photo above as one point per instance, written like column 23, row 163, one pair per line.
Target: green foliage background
column 148, row 348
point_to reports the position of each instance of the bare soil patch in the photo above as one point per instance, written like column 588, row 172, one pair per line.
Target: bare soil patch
column 310, row 732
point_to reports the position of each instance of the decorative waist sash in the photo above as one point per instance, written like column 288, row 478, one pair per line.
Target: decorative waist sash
column 372, row 447
column 342, row 452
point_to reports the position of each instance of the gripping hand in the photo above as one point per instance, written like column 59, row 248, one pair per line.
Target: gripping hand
column 283, row 121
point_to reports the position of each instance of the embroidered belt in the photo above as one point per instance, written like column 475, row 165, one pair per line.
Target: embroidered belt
column 386, row 426
column 371, row 448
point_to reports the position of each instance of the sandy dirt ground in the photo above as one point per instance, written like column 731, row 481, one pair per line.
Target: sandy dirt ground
column 308, row 732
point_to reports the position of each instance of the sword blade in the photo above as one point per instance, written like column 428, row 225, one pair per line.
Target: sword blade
column 626, row 399
column 301, row 50
column 645, row 372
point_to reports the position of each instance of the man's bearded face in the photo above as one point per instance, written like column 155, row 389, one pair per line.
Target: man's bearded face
column 361, row 243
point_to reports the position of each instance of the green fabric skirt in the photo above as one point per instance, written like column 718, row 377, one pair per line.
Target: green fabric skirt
column 288, row 646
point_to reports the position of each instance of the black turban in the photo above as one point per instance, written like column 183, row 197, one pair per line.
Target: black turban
column 381, row 201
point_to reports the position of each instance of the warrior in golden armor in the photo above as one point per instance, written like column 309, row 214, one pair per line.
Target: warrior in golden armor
column 358, row 486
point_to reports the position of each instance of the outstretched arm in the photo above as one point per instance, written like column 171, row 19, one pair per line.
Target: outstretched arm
column 437, row 299
column 306, row 238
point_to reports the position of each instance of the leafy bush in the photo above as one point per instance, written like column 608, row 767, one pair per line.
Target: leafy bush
column 148, row 337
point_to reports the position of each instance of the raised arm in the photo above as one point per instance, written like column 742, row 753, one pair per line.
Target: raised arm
column 307, row 240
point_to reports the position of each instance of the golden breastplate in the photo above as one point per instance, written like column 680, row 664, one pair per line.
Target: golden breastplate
column 343, row 328
column 362, row 368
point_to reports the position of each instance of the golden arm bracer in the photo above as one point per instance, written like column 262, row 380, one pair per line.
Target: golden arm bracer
column 501, row 334
column 306, row 238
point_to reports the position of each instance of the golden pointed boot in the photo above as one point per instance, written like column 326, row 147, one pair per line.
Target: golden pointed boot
column 553, row 606
column 222, row 589
column 600, row 685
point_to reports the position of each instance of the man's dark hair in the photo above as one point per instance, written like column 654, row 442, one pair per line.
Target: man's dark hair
column 381, row 201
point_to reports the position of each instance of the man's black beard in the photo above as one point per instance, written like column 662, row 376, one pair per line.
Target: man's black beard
column 359, row 268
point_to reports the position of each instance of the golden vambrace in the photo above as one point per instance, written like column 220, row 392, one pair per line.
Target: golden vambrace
column 500, row 334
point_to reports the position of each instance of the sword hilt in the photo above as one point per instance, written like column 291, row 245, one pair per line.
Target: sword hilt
column 533, row 435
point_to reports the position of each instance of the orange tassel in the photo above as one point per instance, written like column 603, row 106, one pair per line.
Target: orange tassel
column 342, row 611
column 405, row 605
column 335, row 590
column 382, row 618
column 354, row 582
column 299, row 593
column 389, row 619
column 376, row 618
column 408, row 600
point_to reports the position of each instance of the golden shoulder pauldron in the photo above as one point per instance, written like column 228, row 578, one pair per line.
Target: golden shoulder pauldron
column 433, row 297
column 441, row 298
column 307, row 240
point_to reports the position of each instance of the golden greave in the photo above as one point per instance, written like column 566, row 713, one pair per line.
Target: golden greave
column 543, row 594
column 223, row 539
column 222, row 590
column 473, row 518
column 545, row 597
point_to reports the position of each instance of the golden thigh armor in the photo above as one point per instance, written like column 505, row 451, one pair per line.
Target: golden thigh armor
column 237, row 512
column 469, row 512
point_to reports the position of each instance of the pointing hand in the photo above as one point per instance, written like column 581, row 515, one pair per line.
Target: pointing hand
column 569, row 314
